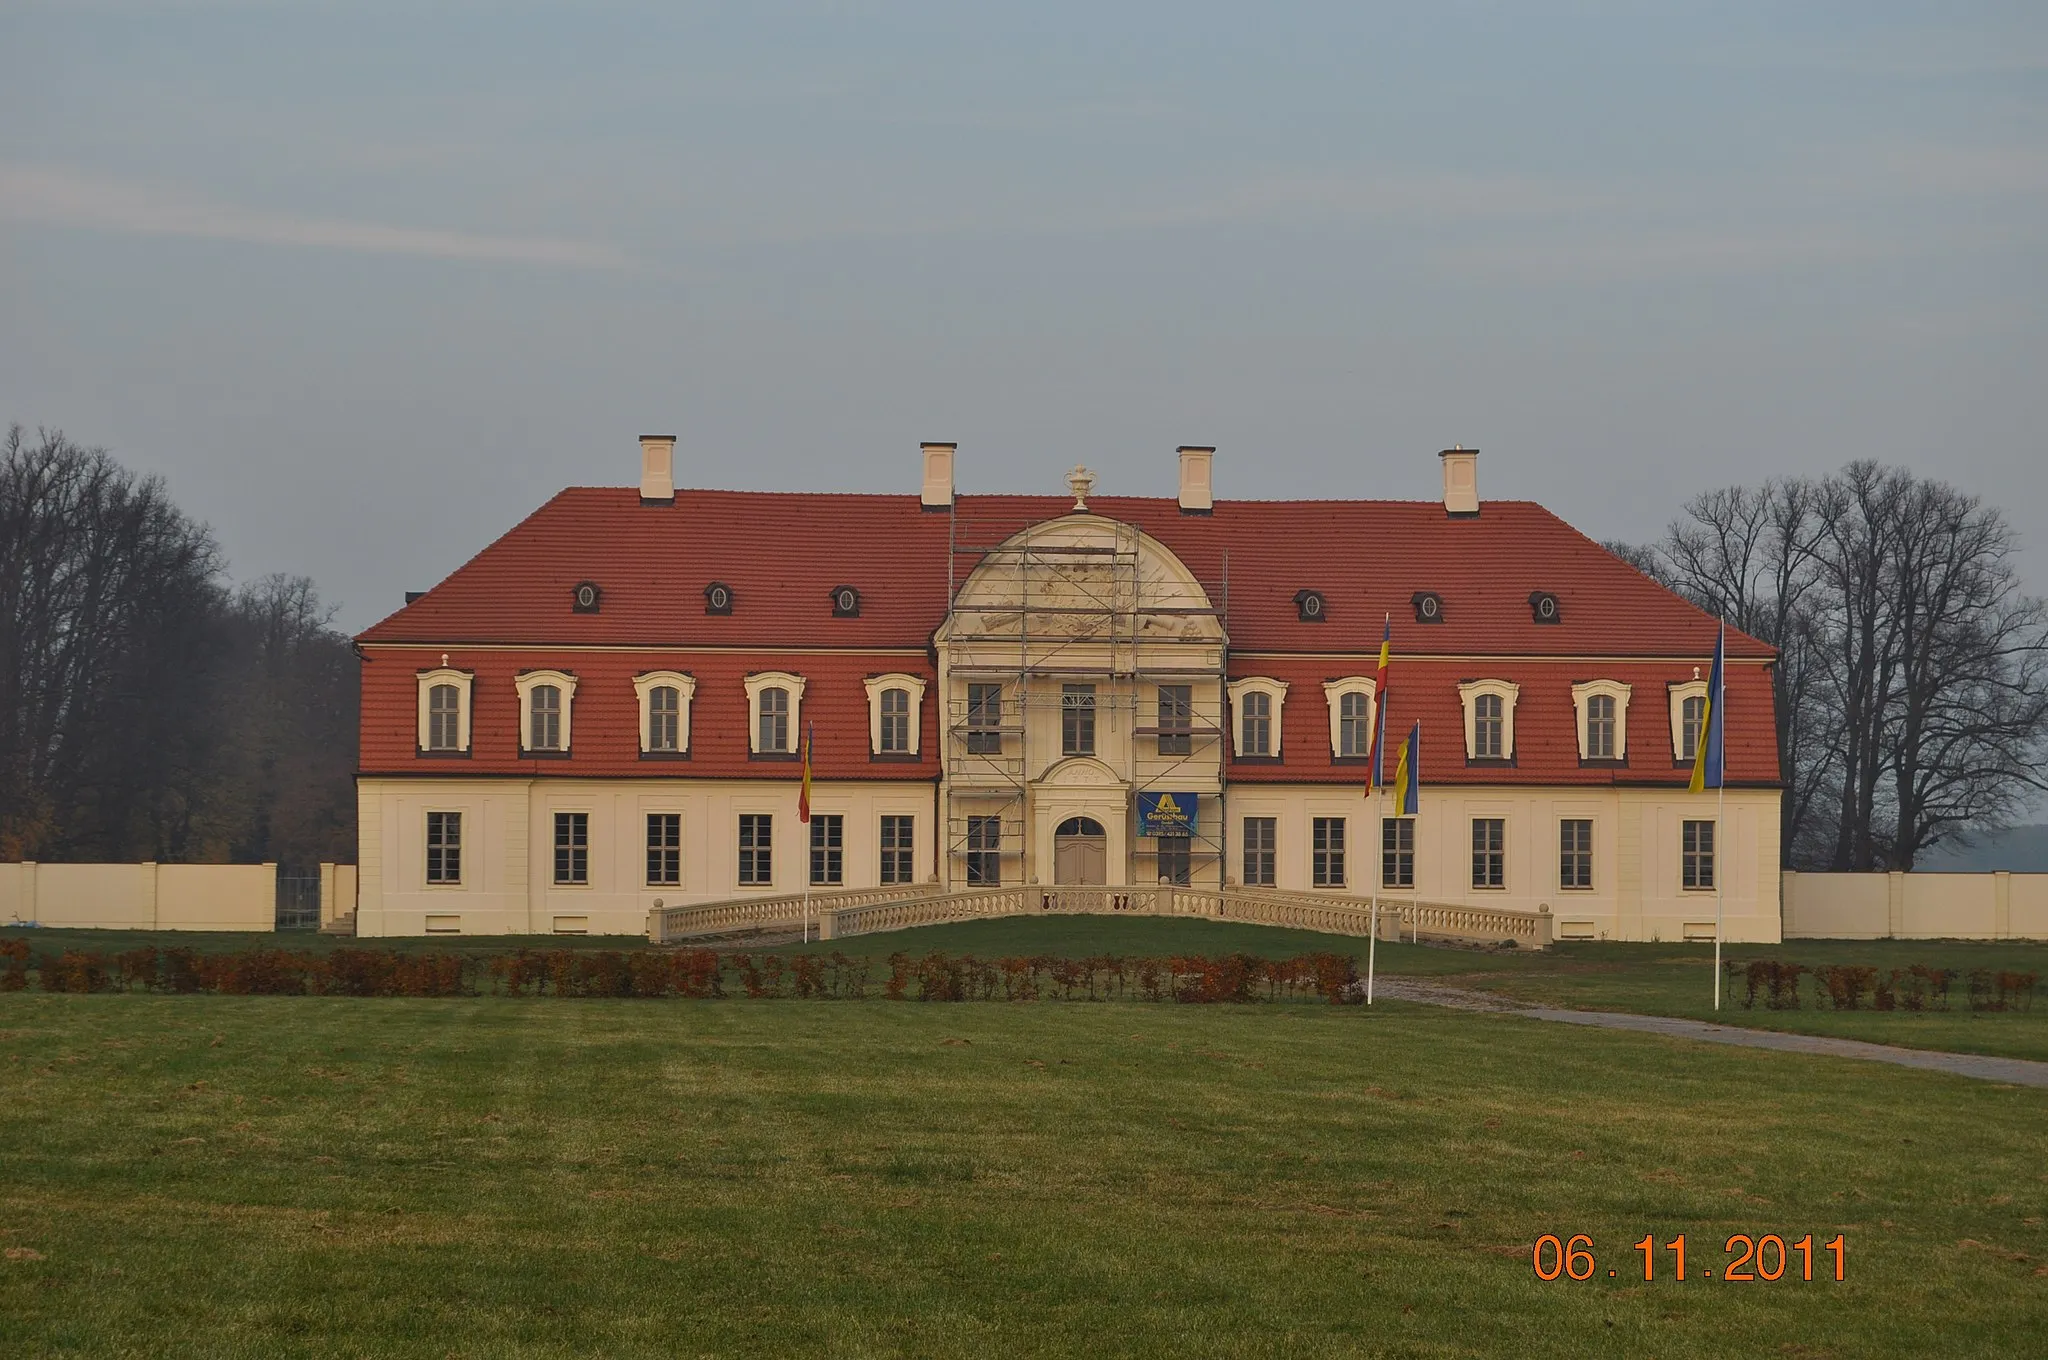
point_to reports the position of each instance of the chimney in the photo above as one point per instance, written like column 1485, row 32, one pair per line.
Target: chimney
column 657, row 469
column 938, row 477
column 1197, row 491
column 1461, row 482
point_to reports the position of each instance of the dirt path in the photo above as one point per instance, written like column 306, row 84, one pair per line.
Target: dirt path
column 2015, row 1071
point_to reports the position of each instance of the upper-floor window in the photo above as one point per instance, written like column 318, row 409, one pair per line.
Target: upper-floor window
column 1603, row 719
column 544, row 702
column 893, row 702
column 1258, row 724
column 1351, row 716
column 444, row 711
column 1256, row 702
column 984, row 720
column 1176, row 720
column 774, row 699
column 1688, row 701
column 1077, row 720
column 1489, row 719
column 664, row 711
column 1600, row 725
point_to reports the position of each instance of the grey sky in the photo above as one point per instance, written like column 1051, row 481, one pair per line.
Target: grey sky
column 368, row 282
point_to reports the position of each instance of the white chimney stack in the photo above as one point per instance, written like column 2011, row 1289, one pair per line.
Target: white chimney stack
column 657, row 469
column 1461, row 481
column 938, row 477
column 1197, row 491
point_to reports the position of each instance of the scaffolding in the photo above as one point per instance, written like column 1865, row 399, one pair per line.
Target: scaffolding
column 1093, row 625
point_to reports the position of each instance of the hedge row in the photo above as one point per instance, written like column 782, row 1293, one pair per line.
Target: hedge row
column 1780, row 987
column 701, row 973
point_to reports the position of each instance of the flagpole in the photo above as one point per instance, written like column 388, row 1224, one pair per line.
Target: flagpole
column 1373, row 944
column 1720, row 720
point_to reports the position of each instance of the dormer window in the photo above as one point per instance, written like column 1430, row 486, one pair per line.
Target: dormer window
column 718, row 598
column 444, row 712
column 1309, row 606
column 587, row 598
column 1256, row 704
column 894, row 703
column 1543, row 607
column 1489, row 720
column 1688, row 701
column 845, row 602
column 1429, row 606
column 1603, row 720
column 664, row 712
column 544, row 704
column 1351, row 716
column 774, row 699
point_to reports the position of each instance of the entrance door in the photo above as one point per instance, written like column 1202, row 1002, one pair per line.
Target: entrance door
column 1080, row 852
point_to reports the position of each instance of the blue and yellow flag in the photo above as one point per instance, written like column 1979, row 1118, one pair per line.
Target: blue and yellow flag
column 1374, row 779
column 1408, row 775
column 1708, row 759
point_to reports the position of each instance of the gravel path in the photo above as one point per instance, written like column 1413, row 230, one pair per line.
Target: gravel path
column 2015, row 1071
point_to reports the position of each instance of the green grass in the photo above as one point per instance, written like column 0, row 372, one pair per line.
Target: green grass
column 327, row 1177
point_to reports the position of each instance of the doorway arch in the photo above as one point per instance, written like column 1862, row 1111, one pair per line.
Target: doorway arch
column 1080, row 852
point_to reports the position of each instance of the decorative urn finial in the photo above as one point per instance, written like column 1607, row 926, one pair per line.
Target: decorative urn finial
column 1080, row 481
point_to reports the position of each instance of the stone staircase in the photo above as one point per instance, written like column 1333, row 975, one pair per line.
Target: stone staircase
column 344, row 924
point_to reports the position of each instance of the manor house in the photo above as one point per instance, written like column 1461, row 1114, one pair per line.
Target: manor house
column 607, row 709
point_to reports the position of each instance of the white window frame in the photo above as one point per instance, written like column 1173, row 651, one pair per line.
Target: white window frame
column 1678, row 694
column 1333, row 695
column 1276, row 690
column 528, row 681
column 878, row 685
column 761, row 680
column 1468, row 695
column 1582, row 694
column 462, row 680
column 685, row 686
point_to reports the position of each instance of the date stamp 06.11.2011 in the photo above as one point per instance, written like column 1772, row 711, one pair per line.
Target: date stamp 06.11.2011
column 1751, row 1259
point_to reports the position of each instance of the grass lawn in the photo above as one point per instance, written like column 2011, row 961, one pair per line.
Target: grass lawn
column 257, row 1176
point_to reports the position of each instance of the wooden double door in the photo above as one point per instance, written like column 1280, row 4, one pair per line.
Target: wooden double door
column 1080, row 852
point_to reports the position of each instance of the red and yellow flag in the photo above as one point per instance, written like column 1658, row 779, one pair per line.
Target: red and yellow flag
column 803, row 794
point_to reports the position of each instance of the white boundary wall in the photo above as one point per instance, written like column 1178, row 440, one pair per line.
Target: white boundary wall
column 140, row 896
column 1916, row 906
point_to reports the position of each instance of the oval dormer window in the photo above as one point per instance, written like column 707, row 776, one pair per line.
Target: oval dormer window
column 1543, row 606
column 1309, row 606
column 718, row 598
column 845, row 602
column 586, row 598
column 1429, row 607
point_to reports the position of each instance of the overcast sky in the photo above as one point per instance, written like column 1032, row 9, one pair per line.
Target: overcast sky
column 368, row 282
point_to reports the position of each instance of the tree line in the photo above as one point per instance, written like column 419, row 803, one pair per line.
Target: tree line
column 1912, row 672
column 150, row 709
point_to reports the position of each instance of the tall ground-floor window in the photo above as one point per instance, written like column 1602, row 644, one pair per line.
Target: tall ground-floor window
column 1397, row 852
column 828, row 849
column 1489, row 852
column 1696, row 855
column 444, row 847
column 1259, row 839
column 1575, row 853
column 985, row 850
column 898, row 865
column 664, row 849
column 757, row 849
column 1176, row 860
column 1326, row 852
column 572, row 848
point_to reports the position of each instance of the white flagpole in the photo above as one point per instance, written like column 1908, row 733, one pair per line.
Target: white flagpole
column 1372, row 944
column 1718, row 719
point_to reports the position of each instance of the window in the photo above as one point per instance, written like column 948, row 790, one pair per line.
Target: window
column 1575, row 853
column 1077, row 720
column 757, row 849
column 1326, row 852
column 1259, row 839
column 1258, row 725
column 898, row 843
column 544, row 699
column 1489, row 719
column 664, row 711
column 444, row 847
column 444, row 718
column 1696, row 855
column 1489, row 727
column 545, row 731
column 1354, row 738
column 1397, row 852
column 1176, row 859
column 774, row 720
column 1600, row 743
column 985, row 850
column 444, row 711
column 985, row 720
column 895, row 722
column 664, row 849
column 572, row 848
column 664, row 714
column 1489, row 852
column 828, row 849
column 1176, row 720
column 1692, row 713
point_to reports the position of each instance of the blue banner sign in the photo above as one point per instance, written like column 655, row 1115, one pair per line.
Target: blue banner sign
column 1166, row 814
